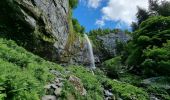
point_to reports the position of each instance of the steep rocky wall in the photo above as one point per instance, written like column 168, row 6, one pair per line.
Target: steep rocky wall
column 41, row 26
column 77, row 53
column 106, row 47
column 44, row 27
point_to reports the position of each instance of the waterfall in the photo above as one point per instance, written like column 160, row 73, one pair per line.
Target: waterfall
column 90, row 50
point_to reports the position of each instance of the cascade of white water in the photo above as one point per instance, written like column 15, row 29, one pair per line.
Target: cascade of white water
column 90, row 49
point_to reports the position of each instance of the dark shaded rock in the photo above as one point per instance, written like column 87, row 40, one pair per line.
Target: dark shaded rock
column 41, row 26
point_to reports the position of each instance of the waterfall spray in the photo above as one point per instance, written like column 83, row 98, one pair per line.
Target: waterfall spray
column 90, row 50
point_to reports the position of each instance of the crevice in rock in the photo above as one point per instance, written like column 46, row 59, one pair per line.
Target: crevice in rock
column 33, row 2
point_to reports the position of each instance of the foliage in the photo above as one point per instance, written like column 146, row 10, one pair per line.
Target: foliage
column 130, row 78
column 156, row 8
column 127, row 91
column 150, row 47
column 120, row 47
column 22, row 74
column 158, row 58
column 90, row 81
column 73, row 3
column 77, row 27
column 94, row 83
column 114, row 67
column 161, row 93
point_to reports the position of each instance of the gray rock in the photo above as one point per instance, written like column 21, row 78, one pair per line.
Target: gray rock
column 109, row 41
column 54, row 86
column 78, row 53
column 49, row 97
column 57, row 73
column 57, row 80
column 152, row 97
column 46, row 19
column 78, row 84
column 57, row 91
column 47, row 86
column 108, row 93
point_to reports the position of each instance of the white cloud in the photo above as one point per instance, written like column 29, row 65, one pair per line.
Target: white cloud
column 92, row 3
column 100, row 23
column 122, row 11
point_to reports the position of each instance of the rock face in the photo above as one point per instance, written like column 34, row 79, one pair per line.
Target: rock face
column 77, row 53
column 42, row 23
column 42, row 27
column 108, row 43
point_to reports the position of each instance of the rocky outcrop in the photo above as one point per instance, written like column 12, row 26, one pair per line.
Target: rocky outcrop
column 39, row 25
column 77, row 84
column 42, row 27
column 77, row 53
column 108, row 44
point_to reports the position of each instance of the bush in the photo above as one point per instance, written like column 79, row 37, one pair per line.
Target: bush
column 114, row 67
column 73, row 3
column 127, row 91
column 158, row 60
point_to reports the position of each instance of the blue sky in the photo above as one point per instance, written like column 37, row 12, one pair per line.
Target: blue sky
column 88, row 16
column 93, row 14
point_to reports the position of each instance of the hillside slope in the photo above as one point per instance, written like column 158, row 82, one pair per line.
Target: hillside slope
column 24, row 75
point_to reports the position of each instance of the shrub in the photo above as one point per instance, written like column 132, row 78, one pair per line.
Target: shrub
column 114, row 67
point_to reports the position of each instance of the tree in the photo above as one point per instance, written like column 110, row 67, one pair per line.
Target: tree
column 149, row 39
column 73, row 3
column 77, row 27
column 155, row 9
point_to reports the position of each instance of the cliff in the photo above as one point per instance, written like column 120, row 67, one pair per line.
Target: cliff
column 41, row 26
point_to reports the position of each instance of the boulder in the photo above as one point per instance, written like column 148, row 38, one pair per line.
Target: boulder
column 57, row 91
column 49, row 97
column 78, row 84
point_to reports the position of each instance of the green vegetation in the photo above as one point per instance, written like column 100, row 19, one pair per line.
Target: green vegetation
column 23, row 75
column 156, row 8
column 146, row 55
column 114, row 67
column 150, row 45
column 127, row 92
column 77, row 27
column 139, row 70
column 73, row 3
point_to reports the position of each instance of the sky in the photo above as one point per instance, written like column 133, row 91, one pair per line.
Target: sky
column 93, row 14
